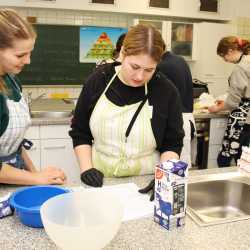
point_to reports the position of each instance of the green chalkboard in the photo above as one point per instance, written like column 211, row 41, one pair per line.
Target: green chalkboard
column 55, row 59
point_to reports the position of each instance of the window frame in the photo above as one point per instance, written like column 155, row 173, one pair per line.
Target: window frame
column 209, row 11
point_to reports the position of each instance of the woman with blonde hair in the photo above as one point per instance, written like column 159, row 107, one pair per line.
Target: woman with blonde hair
column 17, row 39
column 235, row 50
column 129, row 116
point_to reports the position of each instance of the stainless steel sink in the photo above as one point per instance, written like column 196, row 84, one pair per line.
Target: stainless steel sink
column 219, row 199
column 51, row 114
column 52, row 108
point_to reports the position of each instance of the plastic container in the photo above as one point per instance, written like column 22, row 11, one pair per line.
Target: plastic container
column 27, row 202
column 86, row 219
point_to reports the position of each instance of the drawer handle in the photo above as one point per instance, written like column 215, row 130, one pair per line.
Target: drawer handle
column 209, row 74
column 55, row 147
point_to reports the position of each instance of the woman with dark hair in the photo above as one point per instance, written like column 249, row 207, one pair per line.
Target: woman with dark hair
column 117, row 51
column 235, row 50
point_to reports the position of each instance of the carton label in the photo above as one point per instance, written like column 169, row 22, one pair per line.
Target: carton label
column 170, row 194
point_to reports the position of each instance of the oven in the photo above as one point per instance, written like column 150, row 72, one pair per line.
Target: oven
column 202, row 132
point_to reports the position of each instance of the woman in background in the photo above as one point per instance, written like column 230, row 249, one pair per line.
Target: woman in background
column 129, row 116
column 17, row 39
column 235, row 50
column 176, row 69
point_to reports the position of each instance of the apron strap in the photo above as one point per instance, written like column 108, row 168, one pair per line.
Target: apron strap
column 110, row 81
column 134, row 117
column 138, row 109
column 14, row 81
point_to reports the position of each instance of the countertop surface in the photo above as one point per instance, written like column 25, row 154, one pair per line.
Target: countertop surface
column 205, row 115
column 68, row 105
column 138, row 234
column 50, row 121
column 66, row 120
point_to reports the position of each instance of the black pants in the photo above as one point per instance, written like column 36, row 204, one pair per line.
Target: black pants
column 235, row 136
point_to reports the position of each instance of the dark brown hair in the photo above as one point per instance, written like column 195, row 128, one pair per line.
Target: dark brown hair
column 234, row 43
column 12, row 28
column 144, row 39
column 118, row 45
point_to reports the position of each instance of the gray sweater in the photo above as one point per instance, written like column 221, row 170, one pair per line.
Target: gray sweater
column 239, row 82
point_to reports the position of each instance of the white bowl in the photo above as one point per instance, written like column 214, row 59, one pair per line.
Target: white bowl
column 86, row 219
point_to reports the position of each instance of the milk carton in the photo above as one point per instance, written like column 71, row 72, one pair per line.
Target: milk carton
column 170, row 194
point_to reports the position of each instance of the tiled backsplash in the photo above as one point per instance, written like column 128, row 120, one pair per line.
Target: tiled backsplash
column 243, row 27
column 71, row 17
column 74, row 17
column 71, row 92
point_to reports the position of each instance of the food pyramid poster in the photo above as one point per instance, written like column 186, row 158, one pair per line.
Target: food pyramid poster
column 98, row 43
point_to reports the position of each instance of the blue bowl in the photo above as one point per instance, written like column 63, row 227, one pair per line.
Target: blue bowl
column 27, row 202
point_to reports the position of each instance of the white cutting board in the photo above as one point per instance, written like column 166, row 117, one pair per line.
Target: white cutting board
column 136, row 205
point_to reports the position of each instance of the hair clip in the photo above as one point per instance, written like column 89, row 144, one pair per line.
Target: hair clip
column 240, row 42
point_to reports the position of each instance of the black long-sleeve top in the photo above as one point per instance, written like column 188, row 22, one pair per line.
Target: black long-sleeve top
column 166, row 120
column 177, row 70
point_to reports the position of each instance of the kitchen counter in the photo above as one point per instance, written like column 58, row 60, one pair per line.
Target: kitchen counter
column 202, row 115
column 66, row 120
column 142, row 234
column 50, row 121
column 69, row 105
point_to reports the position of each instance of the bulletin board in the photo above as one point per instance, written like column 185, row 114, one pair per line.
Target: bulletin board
column 55, row 59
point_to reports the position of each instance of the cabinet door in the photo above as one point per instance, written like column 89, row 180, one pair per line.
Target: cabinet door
column 216, row 133
column 54, row 132
column 208, row 63
column 159, row 3
column 103, row 1
column 162, row 26
column 179, row 37
column 35, row 153
column 33, row 134
column 217, row 130
column 182, row 40
column 59, row 153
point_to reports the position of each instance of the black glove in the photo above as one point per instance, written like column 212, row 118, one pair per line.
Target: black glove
column 150, row 186
column 92, row 177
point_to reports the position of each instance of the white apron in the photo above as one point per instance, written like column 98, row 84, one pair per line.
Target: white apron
column 112, row 153
column 19, row 120
column 186, row 153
